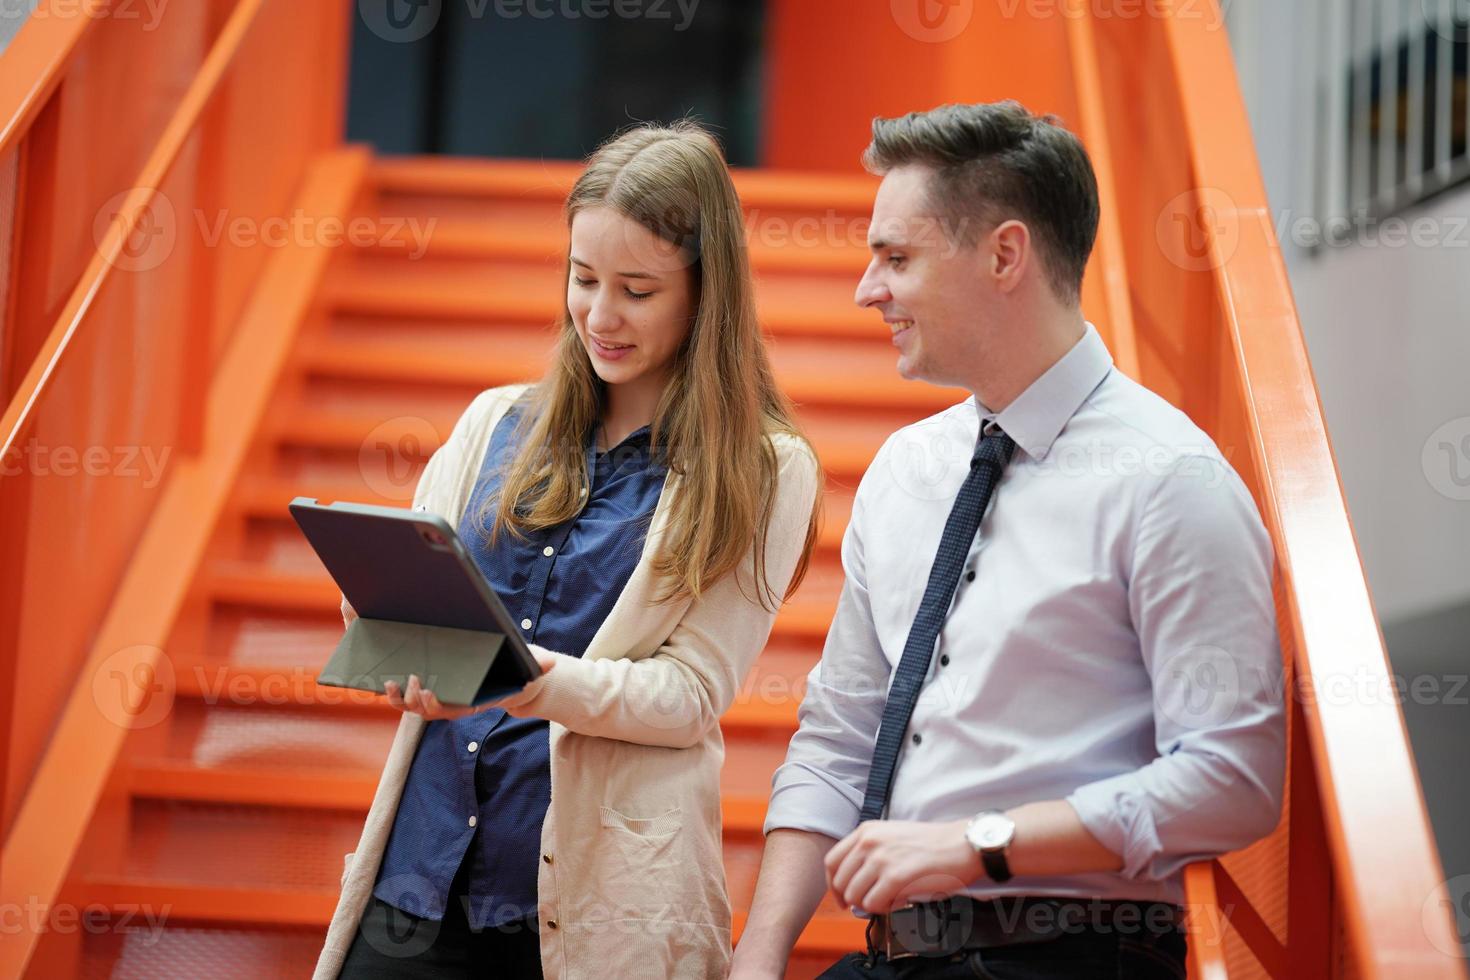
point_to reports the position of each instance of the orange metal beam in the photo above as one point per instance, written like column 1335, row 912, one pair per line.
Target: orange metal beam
column 1109, row 263
column 1206, row 923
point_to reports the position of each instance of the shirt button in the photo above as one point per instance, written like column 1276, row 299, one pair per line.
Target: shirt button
column 917, row 739
column 525, row 624
column 944, row 660
column 473, row 746
column 474, row 820
column 548, row 551
column 970, row 575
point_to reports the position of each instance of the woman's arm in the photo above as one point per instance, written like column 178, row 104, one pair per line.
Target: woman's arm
column 675, row 696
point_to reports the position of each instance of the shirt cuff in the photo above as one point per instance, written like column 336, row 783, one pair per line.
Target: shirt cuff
column 1117, row 814
column 802, row 799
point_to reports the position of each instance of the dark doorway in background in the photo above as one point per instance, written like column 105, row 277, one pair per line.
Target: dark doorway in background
column 550, row 78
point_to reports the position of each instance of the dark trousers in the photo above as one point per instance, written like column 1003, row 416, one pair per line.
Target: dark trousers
column 391, row 944
column 1087, row 955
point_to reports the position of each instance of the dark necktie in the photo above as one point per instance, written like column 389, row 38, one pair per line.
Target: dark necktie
column 986, row 466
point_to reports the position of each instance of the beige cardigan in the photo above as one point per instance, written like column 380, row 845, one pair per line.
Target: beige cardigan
column 632, row 880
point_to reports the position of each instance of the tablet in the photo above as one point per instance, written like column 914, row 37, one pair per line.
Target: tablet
column 399, row 566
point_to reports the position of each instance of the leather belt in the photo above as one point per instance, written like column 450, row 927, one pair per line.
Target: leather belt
column 960, row 923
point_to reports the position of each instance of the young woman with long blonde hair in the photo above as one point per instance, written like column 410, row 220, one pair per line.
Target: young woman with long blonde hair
column 643, row 510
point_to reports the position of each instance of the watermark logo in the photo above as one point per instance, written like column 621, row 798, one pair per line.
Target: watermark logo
column 400, row 21
column 135, row 687
column 1201, row 687
column 1456, row 899
column 1445, row 459
column 150, row 241
column 391, row 455
column 1450, row 19
column 404, row 934
column 932, row 21
column 1198, row 229
column 929, row 462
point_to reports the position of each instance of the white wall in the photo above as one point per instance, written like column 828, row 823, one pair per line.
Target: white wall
column 1388, row 330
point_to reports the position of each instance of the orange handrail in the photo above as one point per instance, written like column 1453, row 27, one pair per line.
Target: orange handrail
column 34, row 64
column 1391, row 880
column 125, row 223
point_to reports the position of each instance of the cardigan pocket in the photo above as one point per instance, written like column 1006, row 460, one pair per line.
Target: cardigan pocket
column 651, row 831
column 636, row 864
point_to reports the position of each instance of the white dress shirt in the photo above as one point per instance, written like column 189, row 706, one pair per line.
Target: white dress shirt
column 1112, row 641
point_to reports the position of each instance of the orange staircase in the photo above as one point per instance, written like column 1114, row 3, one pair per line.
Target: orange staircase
column 173, row 771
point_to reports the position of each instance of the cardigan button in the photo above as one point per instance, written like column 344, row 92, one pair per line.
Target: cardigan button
column 551, row 923
column 546, row 858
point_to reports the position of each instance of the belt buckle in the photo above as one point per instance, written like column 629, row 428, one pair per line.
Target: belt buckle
column 889, row 951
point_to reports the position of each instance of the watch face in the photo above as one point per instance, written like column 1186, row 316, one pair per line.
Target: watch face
column 993, row 830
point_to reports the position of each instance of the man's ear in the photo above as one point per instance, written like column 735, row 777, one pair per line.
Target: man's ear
column 1009, row 254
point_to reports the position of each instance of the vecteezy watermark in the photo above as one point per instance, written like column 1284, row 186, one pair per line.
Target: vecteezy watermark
column 1200, row 229
column 151, row 238
column 1450, row 19
column 1197, row 688
column 1363, row 230
column 135, row 687
column 1455, row 898
column 138, row 686
column 154, row 236
column 1125, row 10
column 930, row 459
column 1445, row 459
column 409, row 234
column 406, row 21
column 392, row 455
column 932, row 21
column 127, row 462
column 129, row 918
column 150, row 12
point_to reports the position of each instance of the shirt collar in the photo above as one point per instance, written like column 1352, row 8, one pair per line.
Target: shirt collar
column 637, row 447
column 1038, row 414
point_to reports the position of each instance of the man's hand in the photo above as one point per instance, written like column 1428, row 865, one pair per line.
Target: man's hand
column 886, row 864
column 423, row 702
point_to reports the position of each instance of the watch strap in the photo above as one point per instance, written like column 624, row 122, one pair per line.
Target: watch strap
column 996, row 866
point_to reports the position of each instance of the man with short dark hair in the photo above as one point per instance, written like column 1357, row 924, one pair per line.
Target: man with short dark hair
column 1053, row 678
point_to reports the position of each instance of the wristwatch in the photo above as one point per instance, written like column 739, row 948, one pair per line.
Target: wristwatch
column 990, row 832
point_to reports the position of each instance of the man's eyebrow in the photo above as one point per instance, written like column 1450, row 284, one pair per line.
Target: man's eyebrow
column 625, row 275
column 879, row 244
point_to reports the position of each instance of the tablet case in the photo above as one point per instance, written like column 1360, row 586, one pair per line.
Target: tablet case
column 455, row 664
column 466, row 661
